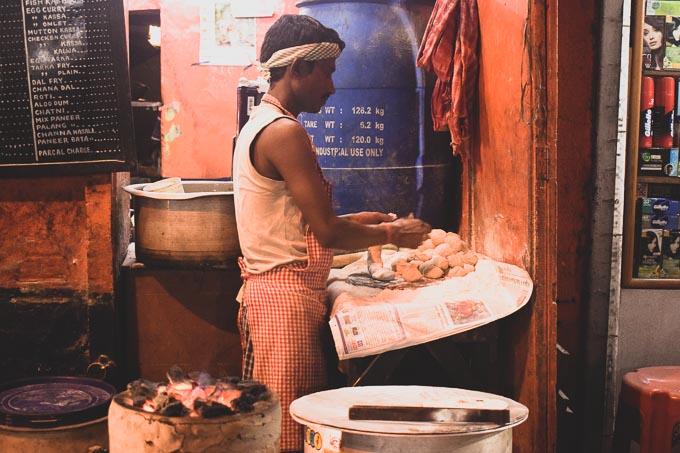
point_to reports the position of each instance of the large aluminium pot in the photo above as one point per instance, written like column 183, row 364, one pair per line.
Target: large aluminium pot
column 195, row 226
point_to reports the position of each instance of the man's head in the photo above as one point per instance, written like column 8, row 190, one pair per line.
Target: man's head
column 292, row 31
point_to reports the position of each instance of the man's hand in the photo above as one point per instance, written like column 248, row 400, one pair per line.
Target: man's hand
column 409, row 232
column 369, row 217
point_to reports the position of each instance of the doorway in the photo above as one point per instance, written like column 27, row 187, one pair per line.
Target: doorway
column 145, row 82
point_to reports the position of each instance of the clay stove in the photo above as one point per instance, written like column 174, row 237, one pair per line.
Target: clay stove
column 195, row 413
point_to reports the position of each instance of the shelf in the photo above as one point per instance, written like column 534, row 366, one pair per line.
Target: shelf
column 661, row 73
column 658, row 179
column 654, row 283
column 633, row 178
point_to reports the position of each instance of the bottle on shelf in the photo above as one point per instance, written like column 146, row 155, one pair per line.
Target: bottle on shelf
column 646, row 112
column 664, row 106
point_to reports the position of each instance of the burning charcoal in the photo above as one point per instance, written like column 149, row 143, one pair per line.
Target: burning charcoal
column 209, row 409
column 225, row 394
column 167, row 405
column 197, row 394
column 142, row 390
column 251, row 392
column 253, row 389
column 243, row 404
column 142, row 385
column 175, row 374
column 231, row 379
column 222, row 386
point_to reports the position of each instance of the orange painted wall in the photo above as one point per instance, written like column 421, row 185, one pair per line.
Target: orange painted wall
column 500, row 191
column 511, row 198
column 203, row 96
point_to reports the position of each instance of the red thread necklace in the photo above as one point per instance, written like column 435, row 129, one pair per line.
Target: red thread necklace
column 272, row 100
column 275, row 102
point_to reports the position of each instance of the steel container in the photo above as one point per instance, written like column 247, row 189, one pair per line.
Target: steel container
column 196, row 226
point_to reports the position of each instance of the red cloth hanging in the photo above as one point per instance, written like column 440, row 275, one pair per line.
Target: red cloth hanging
column 449, row 50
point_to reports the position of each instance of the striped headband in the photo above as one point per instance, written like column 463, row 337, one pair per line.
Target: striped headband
column 309, row 52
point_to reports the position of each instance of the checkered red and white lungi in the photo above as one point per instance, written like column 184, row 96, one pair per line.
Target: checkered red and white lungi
column 282, row 320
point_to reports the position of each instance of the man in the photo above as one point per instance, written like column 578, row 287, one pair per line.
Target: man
column 286, row 224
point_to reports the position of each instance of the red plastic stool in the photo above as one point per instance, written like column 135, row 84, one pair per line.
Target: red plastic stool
column 649, row 409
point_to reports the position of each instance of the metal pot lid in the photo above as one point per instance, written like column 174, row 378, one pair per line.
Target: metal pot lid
column 331, row 409
column 191, row 189
column 48, row 402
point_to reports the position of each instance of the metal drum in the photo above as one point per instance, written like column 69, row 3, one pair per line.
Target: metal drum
column 329, row 427
column 374, row 137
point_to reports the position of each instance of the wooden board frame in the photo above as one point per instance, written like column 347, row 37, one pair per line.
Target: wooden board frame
column 66, row 105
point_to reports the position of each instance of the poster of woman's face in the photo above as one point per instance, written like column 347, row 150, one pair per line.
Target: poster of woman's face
column 671, row 244
column 654, row 42
column 650, row 243
column 653, row 32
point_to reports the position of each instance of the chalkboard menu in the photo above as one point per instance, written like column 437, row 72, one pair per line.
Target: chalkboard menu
column 64, row 87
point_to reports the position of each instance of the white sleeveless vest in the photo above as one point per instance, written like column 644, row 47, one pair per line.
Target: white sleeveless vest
column 270, row 226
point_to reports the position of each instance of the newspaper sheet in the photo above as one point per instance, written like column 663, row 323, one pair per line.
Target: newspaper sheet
column 369, row 320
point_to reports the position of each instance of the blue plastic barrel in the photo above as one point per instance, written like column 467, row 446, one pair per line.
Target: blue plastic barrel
column 374, row 136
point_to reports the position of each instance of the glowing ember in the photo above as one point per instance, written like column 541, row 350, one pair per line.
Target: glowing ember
column 148, row 407
column 196, row 395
